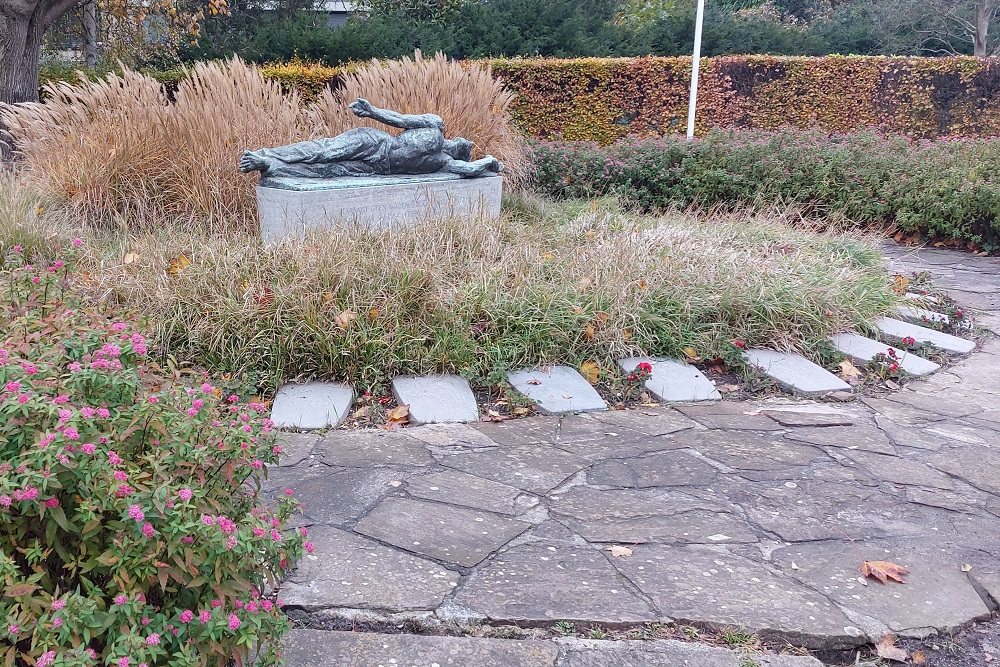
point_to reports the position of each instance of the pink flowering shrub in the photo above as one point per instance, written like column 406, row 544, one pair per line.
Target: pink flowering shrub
column 130, row 529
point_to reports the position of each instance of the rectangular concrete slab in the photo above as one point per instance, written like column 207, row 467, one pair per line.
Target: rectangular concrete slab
column 897, row 329
column 674, row 381
column 862, row 350
column 794, row 372
column 915, row 314
column 436, row 399
column 557, row 390
column 287, row 213
column 310, row 406
column 321, row 648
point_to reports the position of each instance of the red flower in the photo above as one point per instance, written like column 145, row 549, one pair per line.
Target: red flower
column 739, row 344
column 645, row 367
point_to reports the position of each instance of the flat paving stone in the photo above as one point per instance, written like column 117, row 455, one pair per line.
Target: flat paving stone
column 632, row 517
column 436, row 398
column 934, row 404
column 674, row 381
column 936, row 598
column 450, row 437
column 346, row 570
column 321, row 648
column 371, row 447
column 670, row 468
column 733, row 416
column 949, row 500
column 669, row 653
column 557, row 390
column 650, row 421
column 550, row 581
column 338, row 496
column 898, row 329
column 704, row 585
column 861, row 350
column 964, row 433
column 534, row 468
column 311, row 406
column 864, row 438
column 755, row 452
column 295, row 447
column 809, row 510
column 801, row 416
column 901, row 412
column 443, row 532
column 899, row 470
column 794, row 372
column 526, row 431
column 908, row 436
column 458, row 488
column 978, row 466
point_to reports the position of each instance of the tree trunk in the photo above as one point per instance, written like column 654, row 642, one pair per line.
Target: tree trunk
column 984, row 12
column 90, row 34
column 20, row 52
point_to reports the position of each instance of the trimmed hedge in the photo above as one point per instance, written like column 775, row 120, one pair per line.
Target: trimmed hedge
column 946, row 190
column 606, row 99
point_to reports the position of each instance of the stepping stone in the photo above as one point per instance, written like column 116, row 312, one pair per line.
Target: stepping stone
column 311, row 406
column 542, row 582
column 367, row 448
column 333, row 496
column 918, row 315
column 321, row 648
column 937, row 596
column 451, row 534
column 557, row 390
column 897, row 329
column 698, row 584
column 795, row 373
column 436, row 399
column 350, row 571
column 674, row 381
column 635, row 517
column 862, row 350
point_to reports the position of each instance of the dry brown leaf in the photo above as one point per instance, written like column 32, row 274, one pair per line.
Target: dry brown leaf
column 398, row 415
column 619, row 551
column 533, row 381
column 494, row 416
column 883, row 570
column 848, row 370
column 887, row 649
column 590, row 371
column 361, row 412
column 918, row 658
column 692, row 354
column 589, row 331
column 177, row 264
column 373, row 314
column 548, row 256
column 728, row 388
column 345, row 319
column 130, row 258
column 520, row 412
column 900, row 284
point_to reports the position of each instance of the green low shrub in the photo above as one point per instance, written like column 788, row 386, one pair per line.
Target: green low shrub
column 130, row 532
column 941, row 190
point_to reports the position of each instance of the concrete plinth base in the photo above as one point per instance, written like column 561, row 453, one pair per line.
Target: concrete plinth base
column 290, row 207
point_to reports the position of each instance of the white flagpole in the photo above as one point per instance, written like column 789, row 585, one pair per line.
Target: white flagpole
column 695, row 66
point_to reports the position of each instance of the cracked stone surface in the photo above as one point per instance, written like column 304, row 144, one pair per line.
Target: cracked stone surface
column 668, row 653
column 715, row 501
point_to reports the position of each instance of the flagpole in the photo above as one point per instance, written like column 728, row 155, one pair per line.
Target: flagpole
column 695, row 67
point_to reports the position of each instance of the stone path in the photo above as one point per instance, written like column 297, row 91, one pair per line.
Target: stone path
column 751, row 516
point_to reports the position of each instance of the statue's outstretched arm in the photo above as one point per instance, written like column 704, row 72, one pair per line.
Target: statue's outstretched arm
column 363, row 109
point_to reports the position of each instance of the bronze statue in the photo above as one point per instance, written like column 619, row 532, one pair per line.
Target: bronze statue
column 420, row 149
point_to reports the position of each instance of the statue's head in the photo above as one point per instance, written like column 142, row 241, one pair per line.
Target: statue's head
column 458, row 148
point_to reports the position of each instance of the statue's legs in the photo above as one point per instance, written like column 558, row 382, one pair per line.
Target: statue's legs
column 359, row 151
column 476, row 168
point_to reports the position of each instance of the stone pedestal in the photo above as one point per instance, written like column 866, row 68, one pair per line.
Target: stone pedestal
column 290, row 207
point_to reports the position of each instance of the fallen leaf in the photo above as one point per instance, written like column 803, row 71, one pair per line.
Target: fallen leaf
column 728, row 388
column 373, row 314
column 590, row 371
column 887, row 649
column 399, row 414
column 966, row 568
column 692, row 354
column 848, row 370
column 900, row 284
column 548, row 256
column 130, row 258
column 918, row 658
column 584, row 283
column 619, row 551
column 520, row 412
column 177, row 264
column 883, row 570
column 361, row 412
column 494, row 416
column 345, row 319
column 533, row 381
column 891, row 385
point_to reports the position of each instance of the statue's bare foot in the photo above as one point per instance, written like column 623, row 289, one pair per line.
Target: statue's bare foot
column 251, row 161
column 495, row 165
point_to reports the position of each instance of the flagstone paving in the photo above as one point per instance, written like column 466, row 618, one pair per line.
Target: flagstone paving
column 753, row 515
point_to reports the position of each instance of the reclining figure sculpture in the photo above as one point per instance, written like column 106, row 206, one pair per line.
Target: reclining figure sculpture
column 420, row 149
